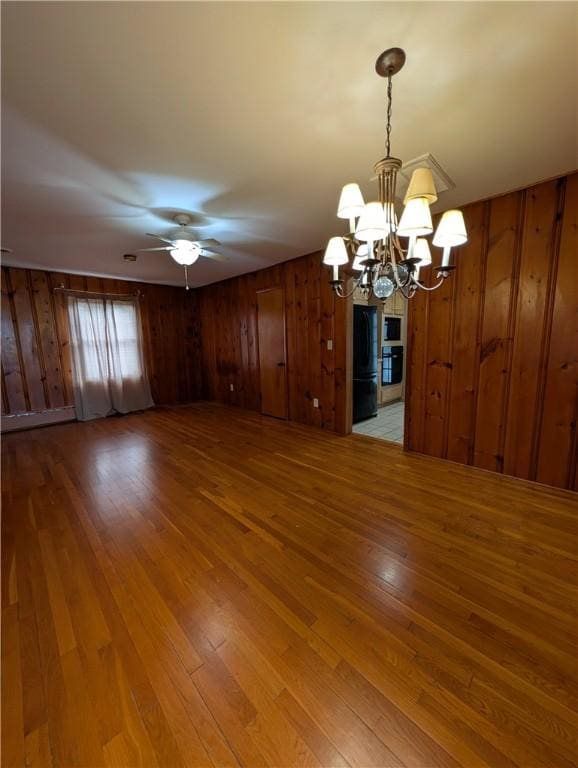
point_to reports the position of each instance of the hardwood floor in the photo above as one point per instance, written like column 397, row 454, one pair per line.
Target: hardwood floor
column 205, row 586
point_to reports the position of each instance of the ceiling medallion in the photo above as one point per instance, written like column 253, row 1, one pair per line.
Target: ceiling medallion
column 372, row 248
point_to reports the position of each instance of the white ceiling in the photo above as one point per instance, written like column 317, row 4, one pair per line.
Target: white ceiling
column 253, row 115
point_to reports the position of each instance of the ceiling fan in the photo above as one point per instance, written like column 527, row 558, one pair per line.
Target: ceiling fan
column 184, row 249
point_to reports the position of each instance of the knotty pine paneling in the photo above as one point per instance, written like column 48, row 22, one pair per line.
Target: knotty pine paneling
column 36, row 360
column 492, row 368
column 559, row 395
column 228, row 327
column 500, row 291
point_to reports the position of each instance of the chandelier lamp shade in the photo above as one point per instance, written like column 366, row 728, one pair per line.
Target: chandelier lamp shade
column 415, row 219
column 373, row 250
column 422, row 252
column 350, row 202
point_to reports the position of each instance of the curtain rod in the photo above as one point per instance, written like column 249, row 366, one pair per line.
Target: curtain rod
column 137, row 294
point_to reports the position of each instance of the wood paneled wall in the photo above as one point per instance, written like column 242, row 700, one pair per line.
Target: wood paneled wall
column 492, row 355
column 36, row 361
column 228, row 321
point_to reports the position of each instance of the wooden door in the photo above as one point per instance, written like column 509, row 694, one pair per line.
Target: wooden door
column 272, row 360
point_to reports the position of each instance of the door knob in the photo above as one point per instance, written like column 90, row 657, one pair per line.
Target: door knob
column 281, row 365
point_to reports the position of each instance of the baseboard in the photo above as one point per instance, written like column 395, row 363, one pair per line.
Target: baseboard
column 13, row 422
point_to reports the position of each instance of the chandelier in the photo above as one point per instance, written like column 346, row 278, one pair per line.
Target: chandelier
column 382, row 262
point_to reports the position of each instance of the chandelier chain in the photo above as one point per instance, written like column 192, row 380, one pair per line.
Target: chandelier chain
column 388, row 124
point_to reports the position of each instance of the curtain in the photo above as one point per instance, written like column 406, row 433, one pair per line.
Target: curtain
column 107, row 353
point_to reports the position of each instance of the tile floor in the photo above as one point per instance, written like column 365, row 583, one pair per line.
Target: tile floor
column 387, row 425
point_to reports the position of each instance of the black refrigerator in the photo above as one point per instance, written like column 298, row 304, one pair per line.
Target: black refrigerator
column 364, row 362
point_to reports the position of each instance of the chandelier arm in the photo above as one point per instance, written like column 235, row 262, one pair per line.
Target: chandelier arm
column 347, row 294
column 399, row 246
column 405, row 293
column 393, row 260
column 428, row 288
column 380, row 252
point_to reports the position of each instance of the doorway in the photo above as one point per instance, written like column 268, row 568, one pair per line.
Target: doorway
column 272, row 352
column 380, row 327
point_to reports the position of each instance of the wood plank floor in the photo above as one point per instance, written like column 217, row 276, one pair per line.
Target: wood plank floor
column 204, row 586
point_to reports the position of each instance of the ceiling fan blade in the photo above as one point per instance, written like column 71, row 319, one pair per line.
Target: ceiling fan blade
column 158, row 237
column 214, row 256
column 209, row 243
column 162, row 248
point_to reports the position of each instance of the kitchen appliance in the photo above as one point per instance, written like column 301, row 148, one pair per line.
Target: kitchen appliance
column 364, row 362
column 391, row 328
column 392, row 365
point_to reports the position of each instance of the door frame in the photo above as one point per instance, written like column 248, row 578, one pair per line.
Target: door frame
column 343, row 361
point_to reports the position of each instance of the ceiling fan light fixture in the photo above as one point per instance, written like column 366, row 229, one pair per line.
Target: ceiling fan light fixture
column 185, row 256
column 184, row 245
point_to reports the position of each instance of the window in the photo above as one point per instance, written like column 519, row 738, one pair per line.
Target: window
column 127, row 335
column 107, row 353
column 109, row 339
